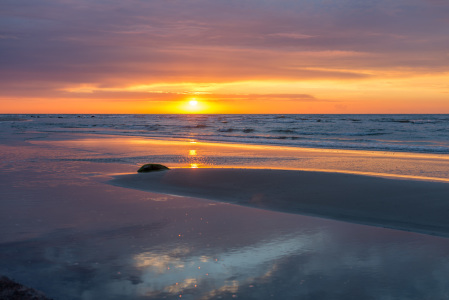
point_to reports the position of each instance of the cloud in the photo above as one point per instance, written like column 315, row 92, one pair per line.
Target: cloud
column 116, row 43
column 259, row 97
column 290, row 35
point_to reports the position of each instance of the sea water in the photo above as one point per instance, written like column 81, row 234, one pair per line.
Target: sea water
column 393, row 133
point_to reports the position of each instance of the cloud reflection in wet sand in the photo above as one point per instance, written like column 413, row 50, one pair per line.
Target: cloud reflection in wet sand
column 172, row 272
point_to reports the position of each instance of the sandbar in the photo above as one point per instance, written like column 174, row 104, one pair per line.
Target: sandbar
column 411, row 205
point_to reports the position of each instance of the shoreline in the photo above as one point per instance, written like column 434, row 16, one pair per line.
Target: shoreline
column 62, row 136
column 190, row 153
column 417, row 206
column 250, row 145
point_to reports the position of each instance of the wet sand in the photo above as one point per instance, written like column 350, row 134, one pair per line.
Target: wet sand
column 69, row 233
column 410, row 205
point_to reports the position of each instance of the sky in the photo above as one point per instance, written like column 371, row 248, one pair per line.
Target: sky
column 230, row 56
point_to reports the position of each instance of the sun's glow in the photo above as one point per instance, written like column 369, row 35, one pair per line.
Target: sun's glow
column 193, row 106
column 387, row 91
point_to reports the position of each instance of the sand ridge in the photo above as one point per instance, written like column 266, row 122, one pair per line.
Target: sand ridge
column 417, row 206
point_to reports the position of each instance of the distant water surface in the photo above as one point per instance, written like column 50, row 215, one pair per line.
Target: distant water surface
column 402, row 133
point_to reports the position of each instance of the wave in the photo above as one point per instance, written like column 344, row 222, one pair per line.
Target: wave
column 409, row 133
column 248, row 130
column 226, row 130
column 283, row 131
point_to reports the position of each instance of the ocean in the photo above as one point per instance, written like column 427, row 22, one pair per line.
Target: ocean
column 392, row 133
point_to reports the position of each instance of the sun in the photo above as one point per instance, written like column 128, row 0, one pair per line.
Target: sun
column 193, row 106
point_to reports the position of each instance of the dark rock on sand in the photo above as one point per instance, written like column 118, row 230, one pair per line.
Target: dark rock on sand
column 10, row 290
column 151, row 168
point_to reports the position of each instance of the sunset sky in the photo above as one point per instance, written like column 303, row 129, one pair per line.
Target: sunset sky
column 231, row 56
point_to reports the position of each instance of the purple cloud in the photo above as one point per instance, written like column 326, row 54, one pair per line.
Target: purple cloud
column 53, row 43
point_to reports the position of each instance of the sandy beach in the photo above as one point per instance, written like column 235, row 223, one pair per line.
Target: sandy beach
column 78, row 222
